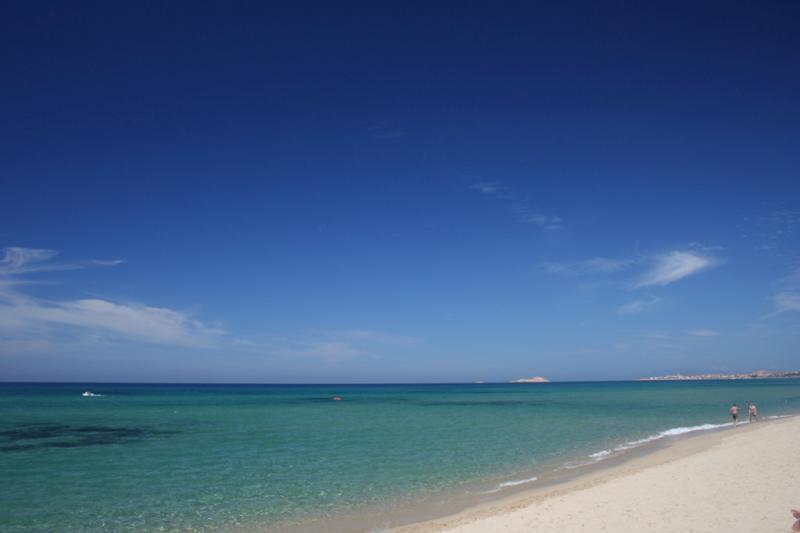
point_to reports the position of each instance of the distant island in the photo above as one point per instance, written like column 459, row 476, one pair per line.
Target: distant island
column 758, row 374
column 535, row 379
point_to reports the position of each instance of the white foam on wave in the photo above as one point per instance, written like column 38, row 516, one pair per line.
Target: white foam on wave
column 672, row 432
column 512, row 483
column 600, row 454
column 604, row 454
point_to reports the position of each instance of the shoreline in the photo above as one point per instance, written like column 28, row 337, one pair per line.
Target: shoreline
column 439, row 511
column 590, row 498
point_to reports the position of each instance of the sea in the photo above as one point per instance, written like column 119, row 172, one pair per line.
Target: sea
column 146, row 457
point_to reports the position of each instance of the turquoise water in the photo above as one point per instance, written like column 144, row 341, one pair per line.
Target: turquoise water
column 149, row 457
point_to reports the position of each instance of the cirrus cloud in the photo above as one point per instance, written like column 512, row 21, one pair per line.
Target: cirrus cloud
column 637, row 306
column 518, row 205
column 595, row 265
column 676, row 265
column 704, row 333
column 23, row 316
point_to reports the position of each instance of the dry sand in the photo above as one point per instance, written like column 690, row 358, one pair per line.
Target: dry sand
column 739, row 480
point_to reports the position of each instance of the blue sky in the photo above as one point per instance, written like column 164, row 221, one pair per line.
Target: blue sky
column 383, row 193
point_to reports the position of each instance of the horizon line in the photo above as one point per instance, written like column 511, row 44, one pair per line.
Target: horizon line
column 636, row 380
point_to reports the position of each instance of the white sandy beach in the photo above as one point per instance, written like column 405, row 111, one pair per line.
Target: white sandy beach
column 740, row 480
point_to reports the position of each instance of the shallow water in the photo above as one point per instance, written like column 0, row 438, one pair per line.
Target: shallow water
column 146, row 457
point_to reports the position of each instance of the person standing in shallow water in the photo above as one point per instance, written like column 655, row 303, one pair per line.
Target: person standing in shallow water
column 752, row 413
column 735, row 414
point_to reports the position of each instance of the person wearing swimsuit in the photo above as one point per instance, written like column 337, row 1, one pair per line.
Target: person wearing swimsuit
column 752, row 413
column 735, row 414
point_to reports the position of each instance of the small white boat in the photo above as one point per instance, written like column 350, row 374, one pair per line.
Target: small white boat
column 90, row 393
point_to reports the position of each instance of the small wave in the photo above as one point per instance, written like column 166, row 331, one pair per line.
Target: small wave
column 512, row 483
column 672, row 432
column 600, row 454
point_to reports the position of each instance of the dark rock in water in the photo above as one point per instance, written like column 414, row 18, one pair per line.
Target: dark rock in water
column 35, row 436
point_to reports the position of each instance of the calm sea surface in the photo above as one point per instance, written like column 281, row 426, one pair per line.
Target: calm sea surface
column 150, row 457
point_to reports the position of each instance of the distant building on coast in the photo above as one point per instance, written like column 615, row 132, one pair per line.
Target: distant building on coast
column 758, row 374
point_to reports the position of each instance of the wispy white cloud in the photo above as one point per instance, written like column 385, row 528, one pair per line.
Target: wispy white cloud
column 679, row 337
column 518, row 205
column 787, row 298
column 330, row 351
column 637, row 306
column 378, row 337
column 595, row 265
column 333, row 346
column 107, row 262
column 17, row 258
column 134, row 321
column 661, row 269
column 19, row 261
column 673, row 266
column 32, row 324
column 22, row 315
column 772, row 232
column 649, row 271
column 607, row 265
column 704, row 333
column 786, row 301
column 656, row 336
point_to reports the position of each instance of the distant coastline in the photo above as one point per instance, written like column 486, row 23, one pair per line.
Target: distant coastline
column 758, row 374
